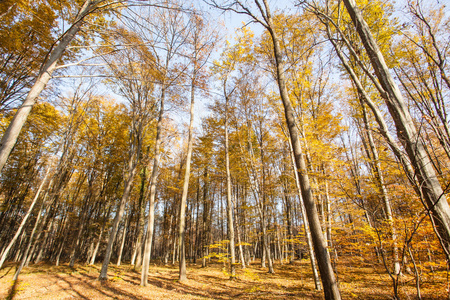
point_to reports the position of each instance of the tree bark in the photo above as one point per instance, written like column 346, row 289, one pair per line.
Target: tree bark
column 97, row 246
column 241, row 249
column 205, row 217
column 153, row 178
column 229, row 200
column 30, row 241
column 124, row 235
column 182, row 215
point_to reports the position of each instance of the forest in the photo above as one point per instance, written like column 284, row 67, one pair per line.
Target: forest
column 224, row 149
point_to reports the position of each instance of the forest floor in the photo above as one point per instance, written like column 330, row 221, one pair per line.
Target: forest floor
column 290, row 281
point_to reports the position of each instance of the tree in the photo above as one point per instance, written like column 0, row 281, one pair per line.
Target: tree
column 202, row 42
column 53, row 56
column 428, row 185
column 171, row 37
column 38, row 134
column 329, row 283
column 136, row 85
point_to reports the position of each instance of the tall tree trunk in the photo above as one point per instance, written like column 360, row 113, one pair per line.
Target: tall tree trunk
column 153, row 180
column 197, row 206
column 382, row 187
column 182, row 215
column 30, row 242
column 205, row 227
column 265, row 240
column 288, row 205
column 328, row 215
column 140, row 219
column 97, row 246
column 229, row 201
column 167, row 241
column 241, row 250
column 81, row 225
column 331, row 290
column 44, row 243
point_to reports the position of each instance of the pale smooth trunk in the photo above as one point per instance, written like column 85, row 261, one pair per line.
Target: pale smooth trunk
column 205, row 218
column 124, row 235
column 182, row 215
column 384, row 194
column 97, row 245
column 241, row 250
column 153, row 180
column 229, row 201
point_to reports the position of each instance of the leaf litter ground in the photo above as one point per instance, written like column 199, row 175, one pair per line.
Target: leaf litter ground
column 290, row 281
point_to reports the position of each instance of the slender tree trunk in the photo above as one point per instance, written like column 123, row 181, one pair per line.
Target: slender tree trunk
column 291, row 230
column 241, row 250
column 140, row 250
column 266, row 253
column 174, row 249
column 229, row 201
column 416, row 273
column 63, row 242
column 328, row 215
column 74, row 246
column 305, row 223
column 331, row 290
column 140, row 220
column 124, row 235
column 24, row 220
column 97, row 246
column 30, row 242
column 279, row 247
column 153, row 180
column 189, row 214
column 182, row 215
column 44, row 244
column 382, row 187
column 112, row 237
column 169, row 234
column 197, row 206
column 81, row 225
column 205, row 231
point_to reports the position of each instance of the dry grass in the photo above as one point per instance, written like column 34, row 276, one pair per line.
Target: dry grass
column 289, row 282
